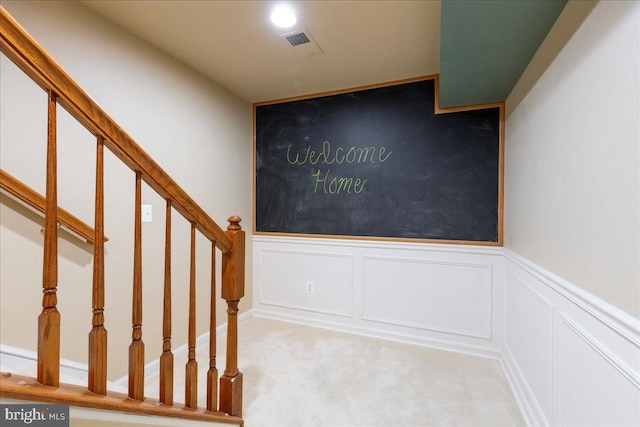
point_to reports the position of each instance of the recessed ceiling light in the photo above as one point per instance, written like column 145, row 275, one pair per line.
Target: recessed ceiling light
column 283, row 16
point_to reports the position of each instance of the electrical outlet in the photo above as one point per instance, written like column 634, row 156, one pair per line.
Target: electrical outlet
column 311, row 287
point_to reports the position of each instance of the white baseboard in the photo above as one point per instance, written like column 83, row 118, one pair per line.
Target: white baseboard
column 472, row 349
column 24, row 362
column 529, row 408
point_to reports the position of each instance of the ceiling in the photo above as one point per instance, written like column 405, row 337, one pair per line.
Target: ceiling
column 363, row 42
column 486, row 45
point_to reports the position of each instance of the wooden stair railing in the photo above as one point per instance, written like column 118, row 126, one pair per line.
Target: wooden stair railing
column 29, row 196
column 30, row 57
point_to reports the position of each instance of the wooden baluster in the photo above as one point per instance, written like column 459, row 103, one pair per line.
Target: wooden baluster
column 212, row 374
column 232, row 291
column 166, row 360
column 49, row 319
column 191, row 370
column 136, row 349
column 98, row 334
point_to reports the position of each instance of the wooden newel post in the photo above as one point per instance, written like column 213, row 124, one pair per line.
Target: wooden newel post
column 232, row 292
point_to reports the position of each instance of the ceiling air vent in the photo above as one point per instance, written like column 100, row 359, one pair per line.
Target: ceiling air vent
column 297, row 39
column 302, row 43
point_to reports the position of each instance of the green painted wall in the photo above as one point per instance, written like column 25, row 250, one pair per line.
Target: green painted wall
column 485, row 45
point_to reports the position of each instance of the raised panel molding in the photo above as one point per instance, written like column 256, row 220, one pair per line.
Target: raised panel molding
column 622, row 368
column 448, row 297
column 284, row 276
column 594, row 386
column 529, row 343
column 595, row 352
column 452, row 307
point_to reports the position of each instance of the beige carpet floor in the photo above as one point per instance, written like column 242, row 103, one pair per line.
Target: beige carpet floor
column 300, row 376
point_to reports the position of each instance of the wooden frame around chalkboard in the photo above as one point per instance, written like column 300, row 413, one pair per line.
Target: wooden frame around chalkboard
column 438, row 110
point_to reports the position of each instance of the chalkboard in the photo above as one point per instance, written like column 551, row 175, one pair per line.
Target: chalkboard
column 378, row 162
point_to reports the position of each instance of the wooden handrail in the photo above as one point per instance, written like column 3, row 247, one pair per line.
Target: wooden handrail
column 31, row 58
column 37, row 201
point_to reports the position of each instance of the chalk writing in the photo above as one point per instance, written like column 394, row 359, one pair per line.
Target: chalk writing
column 336, row 185
column 323, row 182
column 340, row 155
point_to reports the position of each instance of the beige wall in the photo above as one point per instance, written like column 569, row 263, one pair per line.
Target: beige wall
column 572, row 184
column 199, row 132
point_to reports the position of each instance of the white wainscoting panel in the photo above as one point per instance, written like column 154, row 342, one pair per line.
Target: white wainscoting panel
column 572, row 359
column 285, row 275
column 595, row 387
column 449, row 297
column 437, row 295
column 529, row 334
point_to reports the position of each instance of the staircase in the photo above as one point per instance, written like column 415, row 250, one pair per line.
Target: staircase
column 46, row 384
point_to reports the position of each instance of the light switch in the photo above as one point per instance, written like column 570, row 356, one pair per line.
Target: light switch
column 147, row 213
